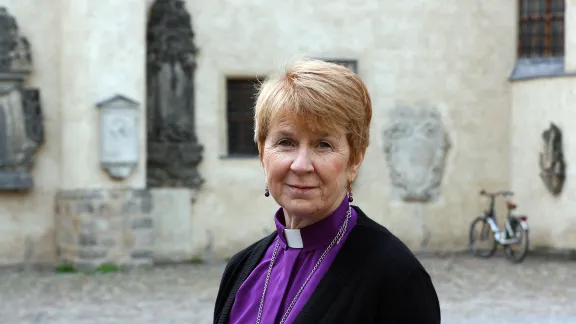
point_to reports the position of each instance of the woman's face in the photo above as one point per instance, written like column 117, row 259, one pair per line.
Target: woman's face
column 307, row 171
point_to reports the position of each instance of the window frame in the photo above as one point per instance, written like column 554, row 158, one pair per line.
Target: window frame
column 547, row 16
column 544, row 66
column 239, row 118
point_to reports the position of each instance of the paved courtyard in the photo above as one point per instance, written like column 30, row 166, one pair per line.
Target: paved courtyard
column 471, row 291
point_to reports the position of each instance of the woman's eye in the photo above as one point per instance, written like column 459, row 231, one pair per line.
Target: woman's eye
column 325, row 145
column 284, row 143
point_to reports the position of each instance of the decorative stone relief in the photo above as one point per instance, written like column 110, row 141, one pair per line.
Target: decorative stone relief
column 21, row 125
column 552, row 165
column 173, row 149
column 415, row 144
column 119, row 133
column 97, row 227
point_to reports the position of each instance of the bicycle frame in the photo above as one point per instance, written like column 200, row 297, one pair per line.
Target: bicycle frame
column 501, row 234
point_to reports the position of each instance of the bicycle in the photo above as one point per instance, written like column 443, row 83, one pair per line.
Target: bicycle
column 515, row 230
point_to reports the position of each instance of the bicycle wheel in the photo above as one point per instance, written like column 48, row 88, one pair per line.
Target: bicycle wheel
column 523, row 245
column 481, row 232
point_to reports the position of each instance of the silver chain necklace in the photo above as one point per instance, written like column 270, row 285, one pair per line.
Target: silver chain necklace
column 335, row 241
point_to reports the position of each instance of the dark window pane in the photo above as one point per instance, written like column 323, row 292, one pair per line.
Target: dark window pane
column 557, row 38
column 538, row 46
column 532, row 7
column 557, row 6
column 541, row 28
column 525, row 7
column 557, row 27
column 240, row 102
column 538, row 29
column 525, row 28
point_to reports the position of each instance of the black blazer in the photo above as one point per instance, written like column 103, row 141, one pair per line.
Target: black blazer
column 375, row 278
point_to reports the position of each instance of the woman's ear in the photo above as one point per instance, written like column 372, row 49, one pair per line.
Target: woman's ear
column 355, row 168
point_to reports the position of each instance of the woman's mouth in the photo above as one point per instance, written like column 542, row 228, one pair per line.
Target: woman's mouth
column 299, row 188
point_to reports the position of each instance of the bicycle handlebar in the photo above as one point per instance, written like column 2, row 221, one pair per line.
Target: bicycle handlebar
column 503, row 193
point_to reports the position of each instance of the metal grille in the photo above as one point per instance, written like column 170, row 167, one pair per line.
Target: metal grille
column 240, row 116
column 541, row 28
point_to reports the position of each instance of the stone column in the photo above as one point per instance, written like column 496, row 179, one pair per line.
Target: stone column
column 174, row 152
column 103, row 51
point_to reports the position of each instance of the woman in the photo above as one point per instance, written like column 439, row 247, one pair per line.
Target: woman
column 327, row 262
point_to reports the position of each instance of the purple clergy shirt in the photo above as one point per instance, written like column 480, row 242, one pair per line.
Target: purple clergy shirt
column 291, row 268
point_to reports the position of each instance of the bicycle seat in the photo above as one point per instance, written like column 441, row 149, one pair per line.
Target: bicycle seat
column 511, row 205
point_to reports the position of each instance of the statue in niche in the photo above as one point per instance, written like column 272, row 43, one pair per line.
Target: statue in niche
column 173, row 149
column 21, row 125
column 415, row 144
column 552, row 165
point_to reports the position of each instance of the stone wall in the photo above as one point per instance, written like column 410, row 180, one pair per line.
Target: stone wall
column 79, row 59
column 27, row 218
column 536, row 104
column 97, row 227
column 453, row 57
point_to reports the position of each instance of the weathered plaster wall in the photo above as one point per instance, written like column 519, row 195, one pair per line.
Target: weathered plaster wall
column 453, row 55
column 102, row 50
column 31, row 215
column 537, row 103
column 570, row 36
column 80, row 58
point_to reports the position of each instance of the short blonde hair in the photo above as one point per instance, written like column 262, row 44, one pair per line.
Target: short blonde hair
column 316, row 95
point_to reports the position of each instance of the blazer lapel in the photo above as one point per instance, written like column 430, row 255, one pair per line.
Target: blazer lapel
column 326, row 291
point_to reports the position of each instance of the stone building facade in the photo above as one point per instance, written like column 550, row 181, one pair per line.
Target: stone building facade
column 462, row 93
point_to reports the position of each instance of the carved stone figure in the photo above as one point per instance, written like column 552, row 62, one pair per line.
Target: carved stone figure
column 173, row 150
column 552, row 165
column 21, row 126
column 416, row 145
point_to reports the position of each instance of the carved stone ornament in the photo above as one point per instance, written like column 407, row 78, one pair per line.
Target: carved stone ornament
column 552, row 165
column 415, row 144
column 21, row 124
column 119, row 134
column 173, row 150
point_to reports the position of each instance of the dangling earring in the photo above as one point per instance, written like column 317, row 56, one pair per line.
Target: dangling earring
column 350, row 197
column 266, row 191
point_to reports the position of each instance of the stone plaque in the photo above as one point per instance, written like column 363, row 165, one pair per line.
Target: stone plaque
column 119, row 132
column 21, row 125
column 416, row 145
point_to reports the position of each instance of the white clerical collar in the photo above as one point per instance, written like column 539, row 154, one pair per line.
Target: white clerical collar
column 293, row 238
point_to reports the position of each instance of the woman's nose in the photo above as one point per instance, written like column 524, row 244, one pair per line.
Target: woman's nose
column 302, row 161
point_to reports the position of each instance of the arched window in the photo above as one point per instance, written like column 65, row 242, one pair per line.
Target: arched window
column 541, row 28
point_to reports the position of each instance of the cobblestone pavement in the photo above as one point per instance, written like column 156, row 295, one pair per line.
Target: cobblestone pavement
column 472, row 291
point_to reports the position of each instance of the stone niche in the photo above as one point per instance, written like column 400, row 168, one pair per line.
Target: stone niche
column 21, row 125
column 104, row 226
column 416, row 144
